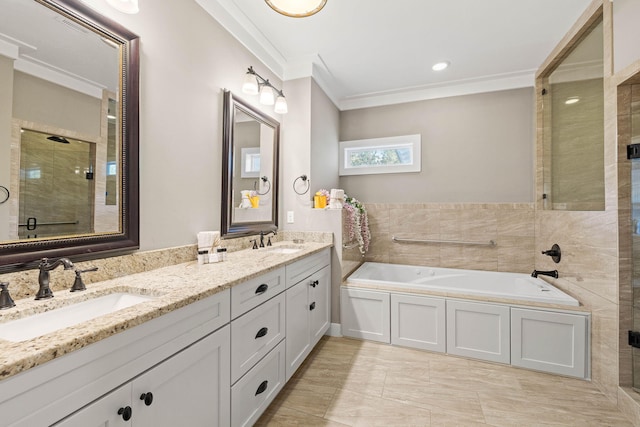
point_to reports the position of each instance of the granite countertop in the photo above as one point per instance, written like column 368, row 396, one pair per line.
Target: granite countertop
column 174, row 287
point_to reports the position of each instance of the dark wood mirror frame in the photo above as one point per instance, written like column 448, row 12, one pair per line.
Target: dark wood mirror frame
column 20, row 255
column 229, row 229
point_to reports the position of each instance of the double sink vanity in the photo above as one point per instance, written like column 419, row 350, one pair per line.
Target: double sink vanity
column 186, row 344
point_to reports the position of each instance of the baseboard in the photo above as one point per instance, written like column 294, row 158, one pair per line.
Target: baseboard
column 335, row 330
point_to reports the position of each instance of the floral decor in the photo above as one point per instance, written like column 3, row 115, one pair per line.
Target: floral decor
column 357, row 223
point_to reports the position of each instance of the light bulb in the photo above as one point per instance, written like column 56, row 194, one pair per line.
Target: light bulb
column 250, row 85
column 440, row 66
column 266, row 95
column 281, row 105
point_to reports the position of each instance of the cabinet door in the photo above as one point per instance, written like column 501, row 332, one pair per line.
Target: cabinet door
column 253, row 393
column 365, row 314
column 319, row 304
column 255, row 334
column 418, row 322
column 550, row 341
column 298, row 331
column 103, row 412
column 478, row 330
column 191, row 388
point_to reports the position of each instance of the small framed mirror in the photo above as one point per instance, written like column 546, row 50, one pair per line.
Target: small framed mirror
column 70, row 153
column 251, row 142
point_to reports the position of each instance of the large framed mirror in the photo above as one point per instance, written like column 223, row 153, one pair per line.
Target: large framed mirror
column 68, row 133
column 251, row 142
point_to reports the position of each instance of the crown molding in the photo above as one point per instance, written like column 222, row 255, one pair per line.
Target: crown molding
column 227, row 13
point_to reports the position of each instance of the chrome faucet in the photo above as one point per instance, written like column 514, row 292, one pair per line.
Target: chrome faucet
column 550, row 273
column 43, row 278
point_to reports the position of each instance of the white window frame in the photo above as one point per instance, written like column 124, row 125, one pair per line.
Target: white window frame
column 412, row 141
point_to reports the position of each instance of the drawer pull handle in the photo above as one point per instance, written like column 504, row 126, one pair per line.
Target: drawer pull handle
column 314, row 283
column 262, row 289
column 312, row 306
column 262, row 387
column 125, row 412
column 147, row 397
column 262, row 332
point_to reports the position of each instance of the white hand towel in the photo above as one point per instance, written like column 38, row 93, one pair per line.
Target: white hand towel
column 208, row 239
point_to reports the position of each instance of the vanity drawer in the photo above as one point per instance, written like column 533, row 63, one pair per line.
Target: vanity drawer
column 254, row 392
column 255, row 291
column 255, row 334
column 304, row 268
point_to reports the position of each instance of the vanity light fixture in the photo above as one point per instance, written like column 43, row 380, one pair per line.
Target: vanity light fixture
column 439, row 66
column 296, row 8
column 255, row 84
column 572, row 100
column 125, row 6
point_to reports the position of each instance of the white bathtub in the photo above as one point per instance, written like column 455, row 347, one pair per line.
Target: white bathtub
column 515, row 286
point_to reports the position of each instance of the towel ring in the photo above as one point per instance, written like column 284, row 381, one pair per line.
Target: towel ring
column 5, row 190
column 265, row 180
column 304, row 179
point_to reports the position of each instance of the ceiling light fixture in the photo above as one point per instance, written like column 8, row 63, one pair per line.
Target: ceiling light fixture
column 255, row 84
column 125, row 6
column 440, row 66
column 296, row 8
column 572, row 100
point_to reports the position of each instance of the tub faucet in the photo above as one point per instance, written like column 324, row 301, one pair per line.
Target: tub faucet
column 43, row 278
column 550, row 273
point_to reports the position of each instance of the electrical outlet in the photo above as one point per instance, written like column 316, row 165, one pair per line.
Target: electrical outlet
column 289, row 217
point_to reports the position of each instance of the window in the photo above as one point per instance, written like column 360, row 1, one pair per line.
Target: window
column 396, row 154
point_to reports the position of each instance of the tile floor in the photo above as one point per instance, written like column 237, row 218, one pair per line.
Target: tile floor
column 347, row 382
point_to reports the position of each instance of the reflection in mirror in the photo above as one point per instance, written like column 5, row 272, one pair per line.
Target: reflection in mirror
column 70, row 126
column 250, row 169
column 573, row 114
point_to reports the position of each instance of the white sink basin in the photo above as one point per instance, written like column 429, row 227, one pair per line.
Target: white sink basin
column 284, row 250
column 64, row 317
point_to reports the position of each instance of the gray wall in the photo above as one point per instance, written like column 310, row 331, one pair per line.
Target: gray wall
column 187, row 59
column 475, row 148
column 325, row 123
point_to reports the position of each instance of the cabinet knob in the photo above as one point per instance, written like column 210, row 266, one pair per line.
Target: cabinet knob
column 262, row 332
column 262, row 387
column 147, row 397
column 314, row 283
column 126, row 413
column 262, row 289
column 312, row 306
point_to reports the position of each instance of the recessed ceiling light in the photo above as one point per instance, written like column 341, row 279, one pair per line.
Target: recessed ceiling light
column 440, row 66
column 572, row 100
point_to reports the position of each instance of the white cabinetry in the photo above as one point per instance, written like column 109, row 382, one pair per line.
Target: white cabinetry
column 251, row 395
column 550, row 342
column 478, row 330
column 190, row 388
column 308, row 307
column 555, row 341
column 418, row 322
column 365, row 314
column 255, row 333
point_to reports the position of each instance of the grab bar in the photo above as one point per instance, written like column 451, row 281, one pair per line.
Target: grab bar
column 450, row 242
column 53, row 223
column 350, row 245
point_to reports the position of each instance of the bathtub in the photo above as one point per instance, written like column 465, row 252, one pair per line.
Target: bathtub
column 514, row 286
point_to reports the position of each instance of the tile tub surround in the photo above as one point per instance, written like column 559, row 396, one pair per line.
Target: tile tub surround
column 511, row 225
column 24, row 284
column 177, row 286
